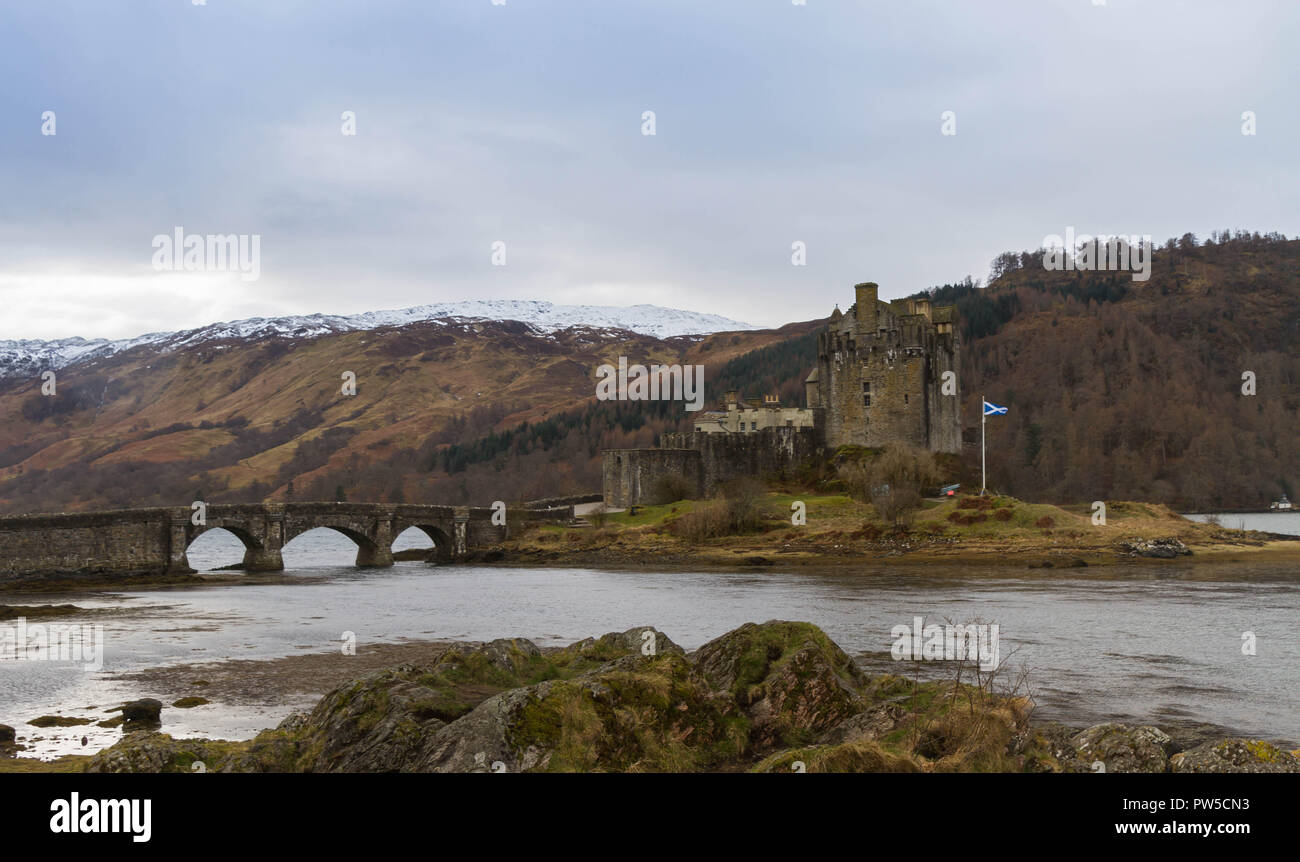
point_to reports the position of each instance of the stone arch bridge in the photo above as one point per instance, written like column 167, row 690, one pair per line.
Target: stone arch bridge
column 130, row 542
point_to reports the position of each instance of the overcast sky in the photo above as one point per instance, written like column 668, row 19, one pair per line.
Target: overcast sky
column 522, row 123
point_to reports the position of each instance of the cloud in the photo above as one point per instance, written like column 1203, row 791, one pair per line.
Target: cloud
column 521, row 123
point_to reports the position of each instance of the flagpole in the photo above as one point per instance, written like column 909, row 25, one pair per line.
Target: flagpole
column 984, row 421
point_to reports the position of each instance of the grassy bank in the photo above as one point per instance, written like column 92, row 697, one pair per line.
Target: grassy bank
column 990, row 530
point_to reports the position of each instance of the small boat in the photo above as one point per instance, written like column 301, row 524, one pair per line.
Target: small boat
column 1280, row 505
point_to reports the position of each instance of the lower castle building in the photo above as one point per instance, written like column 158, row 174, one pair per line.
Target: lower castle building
column 740, row 416
column 886, row 373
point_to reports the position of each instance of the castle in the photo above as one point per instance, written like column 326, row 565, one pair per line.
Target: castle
column 886, row 373
column 881, row 371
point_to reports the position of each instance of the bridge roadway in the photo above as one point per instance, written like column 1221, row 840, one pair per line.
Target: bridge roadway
column 128, row 542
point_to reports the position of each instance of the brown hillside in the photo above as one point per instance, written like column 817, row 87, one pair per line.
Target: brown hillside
column 241, row 420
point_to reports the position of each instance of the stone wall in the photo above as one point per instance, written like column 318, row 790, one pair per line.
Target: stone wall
column 629, row 475
column 110, row 543
column 769, row 453
column 707, row 460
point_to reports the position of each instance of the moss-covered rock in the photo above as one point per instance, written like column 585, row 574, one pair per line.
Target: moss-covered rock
column 505, row 662
column 1049, row 747
column 149, row 751
column 1235, row 755
column 637, row 713
column 1124, row 748
column 792, row 681
column 642, row 640
column 866, row 726
column 775, row 697
column 143, row 712
column 59, row 721
column 374, row 723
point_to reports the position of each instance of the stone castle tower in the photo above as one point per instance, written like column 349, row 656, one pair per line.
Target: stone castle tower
column 880, row 374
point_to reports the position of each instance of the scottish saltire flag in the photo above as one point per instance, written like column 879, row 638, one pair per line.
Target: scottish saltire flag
column 993, row 409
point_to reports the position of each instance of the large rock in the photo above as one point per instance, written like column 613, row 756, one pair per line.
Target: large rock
column 1166, row 548
column 792, row 681
column 149, row 751
column 1049, row 747
column 642, row 640
column 386, row 721
column 1124, row 748
column 1235, row 755
column 146, row 711
column 637, row 713
column 512, row 657
column 866, row 726
column 374, row 724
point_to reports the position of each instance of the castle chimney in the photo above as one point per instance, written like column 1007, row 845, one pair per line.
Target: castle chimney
column 867, row 296
column 733, row 395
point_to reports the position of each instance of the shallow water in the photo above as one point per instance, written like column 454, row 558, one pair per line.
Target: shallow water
column 1269, row 522
column 1154, row 643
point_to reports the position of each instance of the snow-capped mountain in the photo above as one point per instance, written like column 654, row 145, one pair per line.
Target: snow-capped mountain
column 27, row 357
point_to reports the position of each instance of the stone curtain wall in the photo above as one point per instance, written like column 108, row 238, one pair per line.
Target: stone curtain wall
column 629, row 475
column 766, row 453
column 708, row 460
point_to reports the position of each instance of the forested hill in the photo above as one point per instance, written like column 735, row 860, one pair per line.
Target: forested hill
column 1134, row 390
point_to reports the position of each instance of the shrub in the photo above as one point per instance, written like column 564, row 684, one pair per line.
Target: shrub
column 706, row 521
column 670, row 489
column 744, row 504
column 896, row 479
column 737, row 510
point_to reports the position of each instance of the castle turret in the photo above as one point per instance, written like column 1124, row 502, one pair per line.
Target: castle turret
column 867, row 297
column 812, row 388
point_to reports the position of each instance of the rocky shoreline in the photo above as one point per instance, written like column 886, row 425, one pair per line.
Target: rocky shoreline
column 771, row 697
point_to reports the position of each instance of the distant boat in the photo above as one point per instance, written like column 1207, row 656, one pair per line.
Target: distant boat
column 1280, row 505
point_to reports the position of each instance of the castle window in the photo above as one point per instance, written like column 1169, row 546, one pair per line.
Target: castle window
column 753, row 426
column 866, row 400
column 866, row 386
column 904, row 397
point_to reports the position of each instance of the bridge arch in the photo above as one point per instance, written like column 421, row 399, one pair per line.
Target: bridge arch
column 369, row 551
column 253, row 546
column 443, row 544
